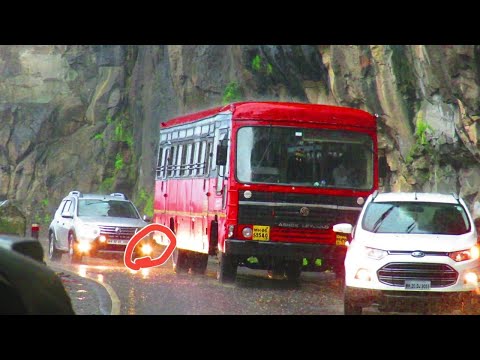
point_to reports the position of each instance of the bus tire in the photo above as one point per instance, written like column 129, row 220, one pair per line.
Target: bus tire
column 293, row 270
column 199, row 263
column 180, row 261
column 213, row 241
column 227, row 268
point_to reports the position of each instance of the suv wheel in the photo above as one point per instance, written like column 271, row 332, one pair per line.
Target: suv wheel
column 74, row 256
column 53, row 253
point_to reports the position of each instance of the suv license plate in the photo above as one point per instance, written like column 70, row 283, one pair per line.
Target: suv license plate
column 118, row 242
column 417, row 285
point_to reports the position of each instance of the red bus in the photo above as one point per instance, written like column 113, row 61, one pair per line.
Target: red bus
column 260, row 184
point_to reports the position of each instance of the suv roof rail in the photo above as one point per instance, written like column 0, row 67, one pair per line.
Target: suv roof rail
column 75, row 193
column 374, row 195
column 117, row 194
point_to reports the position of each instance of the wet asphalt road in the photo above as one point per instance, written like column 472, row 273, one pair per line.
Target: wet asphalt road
column 106, row 286
column 159, row 291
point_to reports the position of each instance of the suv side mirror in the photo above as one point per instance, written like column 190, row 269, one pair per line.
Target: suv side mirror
column 147, row 218
column 222, row 153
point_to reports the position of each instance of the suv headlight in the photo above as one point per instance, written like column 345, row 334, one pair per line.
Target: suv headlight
column 376, row 254
column 462, row 255
column 87, row 230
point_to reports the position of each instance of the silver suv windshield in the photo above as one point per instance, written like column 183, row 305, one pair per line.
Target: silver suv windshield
column 110, row 208
column 304, row 157
column 416, row 218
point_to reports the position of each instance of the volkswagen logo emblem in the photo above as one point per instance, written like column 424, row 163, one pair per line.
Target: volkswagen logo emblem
column 418, row 254
column 304, row 211
column 117, row 229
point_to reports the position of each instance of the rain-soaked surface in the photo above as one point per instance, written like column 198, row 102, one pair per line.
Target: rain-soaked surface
column 159, row 291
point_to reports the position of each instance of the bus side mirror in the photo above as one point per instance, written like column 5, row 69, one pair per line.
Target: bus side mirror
column 382, row 167
column 222, row 153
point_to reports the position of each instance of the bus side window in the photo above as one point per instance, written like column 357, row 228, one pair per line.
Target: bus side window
column 166, row 157
column 209, row 157
column 201, row 169
column 186, row 161
column 196, row 153
column 159, row 170
column 170, row 161
column 190, row 158
column 178, row 160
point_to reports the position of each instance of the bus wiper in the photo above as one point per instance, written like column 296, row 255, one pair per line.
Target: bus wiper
column 267, row 148
column 381, row 218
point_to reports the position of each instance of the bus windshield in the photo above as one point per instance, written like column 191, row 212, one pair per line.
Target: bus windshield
column 304, row 157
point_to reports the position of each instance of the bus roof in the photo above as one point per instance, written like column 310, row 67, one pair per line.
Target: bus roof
column 278, row 111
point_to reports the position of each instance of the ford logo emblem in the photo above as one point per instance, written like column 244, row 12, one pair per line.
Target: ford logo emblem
column 418, row 254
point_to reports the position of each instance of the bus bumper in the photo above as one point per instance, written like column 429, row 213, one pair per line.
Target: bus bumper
column 283, row 249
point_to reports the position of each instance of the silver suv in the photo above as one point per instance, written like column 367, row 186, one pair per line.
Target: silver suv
column 93, row 224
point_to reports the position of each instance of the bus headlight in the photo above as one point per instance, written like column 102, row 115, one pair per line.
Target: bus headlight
column 247, row 232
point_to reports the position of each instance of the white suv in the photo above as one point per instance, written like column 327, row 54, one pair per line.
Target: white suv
column 414, row 249
column 93, row 224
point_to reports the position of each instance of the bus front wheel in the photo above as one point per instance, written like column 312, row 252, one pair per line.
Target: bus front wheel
column 227, row 268
column 199, row 263
column 180, row 261
column 293, row 270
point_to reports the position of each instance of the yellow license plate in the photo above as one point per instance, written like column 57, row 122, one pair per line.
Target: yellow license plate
column 340, row 239
column 261, row 233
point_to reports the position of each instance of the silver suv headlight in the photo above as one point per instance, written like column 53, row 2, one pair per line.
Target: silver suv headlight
column 88, row 231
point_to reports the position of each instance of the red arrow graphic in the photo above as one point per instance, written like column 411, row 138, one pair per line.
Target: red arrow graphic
column 147, row 262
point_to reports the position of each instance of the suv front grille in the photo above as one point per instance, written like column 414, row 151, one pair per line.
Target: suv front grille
column 395, row 274
column 123, row 233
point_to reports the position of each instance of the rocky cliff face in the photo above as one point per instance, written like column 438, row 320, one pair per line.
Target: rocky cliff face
column 87, row 117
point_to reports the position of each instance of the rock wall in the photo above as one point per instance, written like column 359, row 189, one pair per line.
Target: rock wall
column 87, row 117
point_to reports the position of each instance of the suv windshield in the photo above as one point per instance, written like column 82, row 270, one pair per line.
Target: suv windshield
column 304, row 157
column 416, row 218
column 112, row 208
